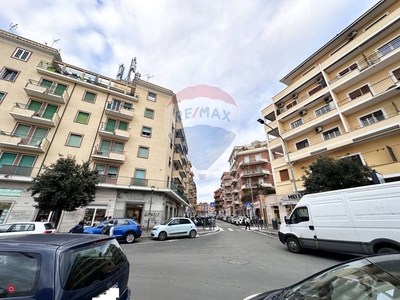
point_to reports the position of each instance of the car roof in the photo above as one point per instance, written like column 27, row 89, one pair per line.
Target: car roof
column 26, row 222
column 51, row 240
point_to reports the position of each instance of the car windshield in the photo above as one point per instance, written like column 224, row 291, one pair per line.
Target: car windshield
column 355, row 280
column 166, row 221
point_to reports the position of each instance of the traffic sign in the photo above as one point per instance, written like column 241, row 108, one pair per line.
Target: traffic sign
column 212, row 204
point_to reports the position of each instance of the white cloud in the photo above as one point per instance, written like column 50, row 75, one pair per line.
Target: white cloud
column 243, row 47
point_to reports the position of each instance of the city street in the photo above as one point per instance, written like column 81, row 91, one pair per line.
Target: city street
column 229, row 264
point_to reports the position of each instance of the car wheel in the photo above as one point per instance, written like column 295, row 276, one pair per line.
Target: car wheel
column 293, row 245
column 192, row 234
column 386, row 250
column 162, row 236
column 130, row 237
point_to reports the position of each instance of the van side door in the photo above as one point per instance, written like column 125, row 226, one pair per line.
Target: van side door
column 301, row 225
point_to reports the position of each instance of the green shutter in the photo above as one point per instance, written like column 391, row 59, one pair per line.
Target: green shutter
column 123, row 126
column 22, row 131
column 49, row 111
column 105, row 147
column 149, row 113
column 118, row 148
column 35, row 105
column 82, row 117
column 143, row 152
column 74, row 140
column 140, row 174
column 59, row 91
column 38, row 136
column 1, row 96
column 100, row 168
column 89, row 97
column 46, row 83
column 127, row 105
column 7, row 159
column 110, row 126
column 27, row 161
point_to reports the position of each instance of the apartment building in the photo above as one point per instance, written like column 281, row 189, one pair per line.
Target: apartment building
column 128, row 129
column 342, row 101
column 244, row 188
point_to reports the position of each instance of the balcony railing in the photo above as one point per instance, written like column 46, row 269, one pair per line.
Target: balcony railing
column 53, row 93
column 30, row 142
column 21, row 112
column 10, row 170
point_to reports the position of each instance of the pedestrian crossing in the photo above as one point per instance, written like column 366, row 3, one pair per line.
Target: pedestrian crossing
column 230, row 229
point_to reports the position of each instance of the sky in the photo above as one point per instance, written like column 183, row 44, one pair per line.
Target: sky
column 224, row 57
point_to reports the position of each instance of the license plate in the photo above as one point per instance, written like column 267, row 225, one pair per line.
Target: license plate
column 111, row 294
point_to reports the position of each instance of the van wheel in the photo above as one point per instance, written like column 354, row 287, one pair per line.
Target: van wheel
column 386, row 250
column 162, row 236
column 293, row 245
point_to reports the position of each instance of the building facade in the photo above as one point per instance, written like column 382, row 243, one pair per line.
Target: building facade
column 342, row 101
column 128, row 129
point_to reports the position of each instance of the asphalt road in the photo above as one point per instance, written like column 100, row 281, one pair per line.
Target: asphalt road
column 230, row 264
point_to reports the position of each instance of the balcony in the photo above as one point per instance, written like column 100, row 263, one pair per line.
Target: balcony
column 20, row 112
column 119, row 111
column 109, row 156
column 53, row 93
column 115, row 134
column 29, row 143
column 67, row 72
column 257, row 173
column 11, row 170
column 255, row 161
column 233, row 171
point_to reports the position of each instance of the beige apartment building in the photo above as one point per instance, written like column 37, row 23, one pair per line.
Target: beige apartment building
column 342, row 101
column 128, row 129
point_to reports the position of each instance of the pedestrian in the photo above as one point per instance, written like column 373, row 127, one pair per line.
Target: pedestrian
column 247, row 222
column 78, row 228
column 109, row 228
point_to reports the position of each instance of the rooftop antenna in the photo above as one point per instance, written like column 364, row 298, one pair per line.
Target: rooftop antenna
column 121, row 71
column 132, row 70
column 148, row 76
column 13, row 27
column 55, row 41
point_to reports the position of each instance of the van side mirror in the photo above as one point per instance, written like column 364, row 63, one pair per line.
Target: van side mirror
column 286, row 220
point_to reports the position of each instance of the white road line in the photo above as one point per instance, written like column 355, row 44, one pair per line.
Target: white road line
column 230, row 229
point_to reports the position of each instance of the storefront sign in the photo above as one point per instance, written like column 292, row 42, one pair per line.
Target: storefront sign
column 289, row 197
column 10, row 192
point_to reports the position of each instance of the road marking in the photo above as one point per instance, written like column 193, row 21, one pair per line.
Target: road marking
column 230, row 229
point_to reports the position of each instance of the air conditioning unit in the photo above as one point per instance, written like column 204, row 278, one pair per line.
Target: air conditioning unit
column 352, row 34
column 318, row 129
column 303, row 112
column 294, row 96
column 328, row 99
column 281, row 104
column 319, row 79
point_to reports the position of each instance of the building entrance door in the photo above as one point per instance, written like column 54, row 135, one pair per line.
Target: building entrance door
column 134, row 211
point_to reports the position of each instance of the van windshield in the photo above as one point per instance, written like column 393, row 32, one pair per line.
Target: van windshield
column 81, row 267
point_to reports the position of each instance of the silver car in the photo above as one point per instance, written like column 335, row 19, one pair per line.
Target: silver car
column 174, row 227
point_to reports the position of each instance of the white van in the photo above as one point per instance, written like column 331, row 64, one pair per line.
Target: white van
column 362, row 220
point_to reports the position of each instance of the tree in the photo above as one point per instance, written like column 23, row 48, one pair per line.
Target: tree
column 328, row 173
column 65, row 185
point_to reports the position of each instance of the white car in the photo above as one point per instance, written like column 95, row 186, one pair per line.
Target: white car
column 26, row 228
column 174, row 227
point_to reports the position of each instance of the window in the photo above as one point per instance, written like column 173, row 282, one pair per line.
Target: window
column 140, row 174
column 389, row 47
column 74, row 140
column 128, row 106
column 16, row 164
column 82, row 117
column 152, row 97
column 356, row 158
column 118, row 148
column 89, row 97
column 143, row 152
column 296, row 123
column 316, row 89
column 21, row 54
column 123, row 126
column 114, row 105
column 372, row 118
column 291, row 104
column 100, row 169
column 324, row 109
column 302, row 144
column 284, row 174
column 52, row 87
column 8, row 74
column 112, row 172
column 299, row 215
column 330, row 134
column 149, row 113
column 359, row 92
column 396, row 74
column 348, row 69
column 2, row 96
column 146, row 131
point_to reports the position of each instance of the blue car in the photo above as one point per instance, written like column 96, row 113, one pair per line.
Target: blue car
column 125, row 229
column 63, row 266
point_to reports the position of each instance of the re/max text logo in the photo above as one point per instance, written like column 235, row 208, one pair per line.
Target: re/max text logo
column 205, row 112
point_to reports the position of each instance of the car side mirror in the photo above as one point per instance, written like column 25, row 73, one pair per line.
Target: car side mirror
column 286, row 220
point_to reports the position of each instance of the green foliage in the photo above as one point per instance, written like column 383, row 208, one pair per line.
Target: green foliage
column 65, row 185
column 328, row 173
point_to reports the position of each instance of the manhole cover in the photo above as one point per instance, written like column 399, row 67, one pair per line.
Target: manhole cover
column 239, row 261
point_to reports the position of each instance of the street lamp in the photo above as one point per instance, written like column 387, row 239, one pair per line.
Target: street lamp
column 151, row 202
column 261, row 121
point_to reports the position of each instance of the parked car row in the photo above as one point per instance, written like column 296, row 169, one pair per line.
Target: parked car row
column 26, row 228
